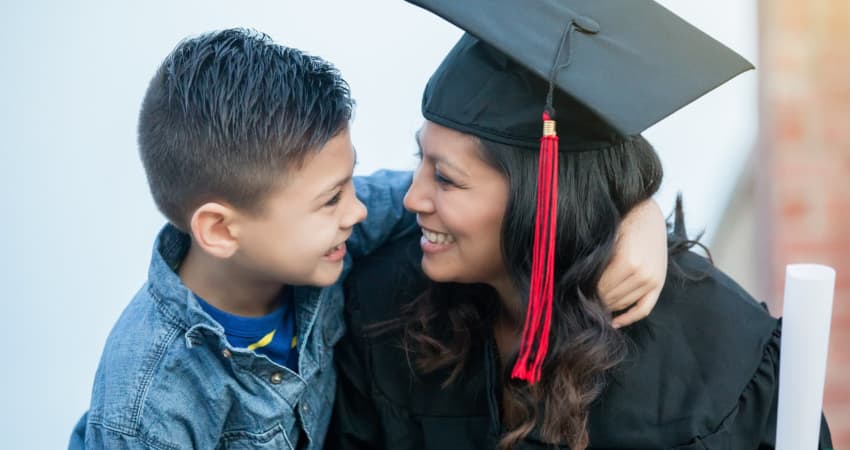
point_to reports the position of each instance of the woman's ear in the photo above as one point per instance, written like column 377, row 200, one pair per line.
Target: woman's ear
column 213, row 229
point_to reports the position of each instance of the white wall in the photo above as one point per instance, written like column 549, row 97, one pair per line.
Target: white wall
column 704, row 146
column 77, row 221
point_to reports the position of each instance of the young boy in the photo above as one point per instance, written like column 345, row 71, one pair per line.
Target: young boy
column 229, row 344
column 247, row 151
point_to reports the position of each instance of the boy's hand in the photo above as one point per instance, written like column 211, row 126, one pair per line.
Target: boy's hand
column 637, row 271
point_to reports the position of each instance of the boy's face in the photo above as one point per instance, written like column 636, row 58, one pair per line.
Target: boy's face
column 300, row 237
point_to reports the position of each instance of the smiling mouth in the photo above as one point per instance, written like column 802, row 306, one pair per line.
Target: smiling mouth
column 335, row 249
column 438, row 238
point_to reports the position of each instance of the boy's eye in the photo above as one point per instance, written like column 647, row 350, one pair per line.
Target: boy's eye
column 334, row 200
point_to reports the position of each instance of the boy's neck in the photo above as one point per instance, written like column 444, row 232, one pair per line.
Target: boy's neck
column 227, row 288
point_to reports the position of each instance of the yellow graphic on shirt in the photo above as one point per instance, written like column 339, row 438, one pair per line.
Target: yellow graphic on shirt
column 294, row 342
column 266, row 340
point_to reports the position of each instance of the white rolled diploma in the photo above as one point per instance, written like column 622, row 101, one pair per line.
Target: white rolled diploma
column 807, row 311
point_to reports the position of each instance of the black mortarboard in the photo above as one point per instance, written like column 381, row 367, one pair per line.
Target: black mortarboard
column 605, row 69
column 623, row 66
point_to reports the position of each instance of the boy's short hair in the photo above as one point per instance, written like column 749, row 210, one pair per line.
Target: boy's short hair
column 228, row 113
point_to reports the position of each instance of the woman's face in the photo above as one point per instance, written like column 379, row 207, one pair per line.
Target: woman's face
column 459, row 201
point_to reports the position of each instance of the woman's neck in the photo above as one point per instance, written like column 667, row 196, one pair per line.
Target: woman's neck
column 511, row 303
column 507, row 329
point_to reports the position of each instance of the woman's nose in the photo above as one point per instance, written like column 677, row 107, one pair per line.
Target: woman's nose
column 418, row 197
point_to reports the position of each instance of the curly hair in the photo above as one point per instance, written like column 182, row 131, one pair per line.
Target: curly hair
column 446, row 324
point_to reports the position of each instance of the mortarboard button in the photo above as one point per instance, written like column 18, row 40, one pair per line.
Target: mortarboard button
column 586, row 24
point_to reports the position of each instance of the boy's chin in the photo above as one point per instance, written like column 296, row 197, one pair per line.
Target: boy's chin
column 326, row 276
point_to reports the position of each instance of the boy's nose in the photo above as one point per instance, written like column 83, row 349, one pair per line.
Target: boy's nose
column 358, row 214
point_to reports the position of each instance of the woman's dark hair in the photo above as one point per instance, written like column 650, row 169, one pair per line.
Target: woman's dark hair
column 449, row 322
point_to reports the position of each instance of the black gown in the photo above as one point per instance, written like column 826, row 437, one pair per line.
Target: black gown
column 701, row 372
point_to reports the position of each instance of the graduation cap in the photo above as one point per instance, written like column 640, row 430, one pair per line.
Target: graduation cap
column 605, row 69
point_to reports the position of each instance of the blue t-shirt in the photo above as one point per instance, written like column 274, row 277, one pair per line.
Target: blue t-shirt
column 272, row 335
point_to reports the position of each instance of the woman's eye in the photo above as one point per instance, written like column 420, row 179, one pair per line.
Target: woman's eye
column 441, row 179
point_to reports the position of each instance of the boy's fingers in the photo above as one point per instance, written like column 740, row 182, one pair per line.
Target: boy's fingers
column 621, row 291
column 609, row 282
column 630, row 298
column 641, row 309
column 617, row 272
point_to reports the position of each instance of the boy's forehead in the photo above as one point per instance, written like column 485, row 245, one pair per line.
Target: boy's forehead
column 324, row 169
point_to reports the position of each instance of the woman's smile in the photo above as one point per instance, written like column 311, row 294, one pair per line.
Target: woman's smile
column 435, row 242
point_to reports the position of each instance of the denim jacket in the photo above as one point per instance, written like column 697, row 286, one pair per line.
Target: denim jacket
column 169, row 379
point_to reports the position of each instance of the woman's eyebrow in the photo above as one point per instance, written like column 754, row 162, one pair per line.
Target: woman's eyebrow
column 440, row 159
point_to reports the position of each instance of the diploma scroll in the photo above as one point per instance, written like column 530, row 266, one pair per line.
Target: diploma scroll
column 807, row 311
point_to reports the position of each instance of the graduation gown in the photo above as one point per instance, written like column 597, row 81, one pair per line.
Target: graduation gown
column 701, row 372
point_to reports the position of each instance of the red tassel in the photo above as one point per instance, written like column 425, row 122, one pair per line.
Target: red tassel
column 538, row 318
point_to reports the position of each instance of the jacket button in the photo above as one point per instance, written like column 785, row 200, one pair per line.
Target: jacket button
column 304, row 408
column 226, row 353
column 586, row 24
column 276, row 378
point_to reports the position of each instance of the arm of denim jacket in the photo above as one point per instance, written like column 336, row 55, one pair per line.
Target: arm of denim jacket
column 98, row 436
column 78, row 434
column 382, row 193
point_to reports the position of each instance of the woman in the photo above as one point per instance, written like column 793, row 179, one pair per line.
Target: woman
column 488, row 356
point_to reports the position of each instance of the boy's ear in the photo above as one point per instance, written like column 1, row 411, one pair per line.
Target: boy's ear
column 214, row 230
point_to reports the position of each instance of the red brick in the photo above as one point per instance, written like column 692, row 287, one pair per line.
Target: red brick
column 794, row 208
column 830, row 84
column 794, row 16
column 814, row 249
column 800, row 164
column 838, row 361
column 836, row 132
column 790, row 125
column 804, row 195
column 838, row 418
column 838, row 23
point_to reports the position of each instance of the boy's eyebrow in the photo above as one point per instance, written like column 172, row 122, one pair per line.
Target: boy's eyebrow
column 418, row 144
column 440, row 159
column 342, row 181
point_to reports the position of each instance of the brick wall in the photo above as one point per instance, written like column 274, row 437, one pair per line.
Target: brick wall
column 803, row 176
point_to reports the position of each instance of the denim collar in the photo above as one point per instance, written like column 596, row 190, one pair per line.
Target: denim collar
column 174, row 299
column 179, row 304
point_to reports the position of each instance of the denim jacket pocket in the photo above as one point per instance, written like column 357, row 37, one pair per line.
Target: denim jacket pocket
column 273, row 438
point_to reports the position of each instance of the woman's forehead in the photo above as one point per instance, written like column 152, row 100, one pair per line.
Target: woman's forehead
column 438, row 140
